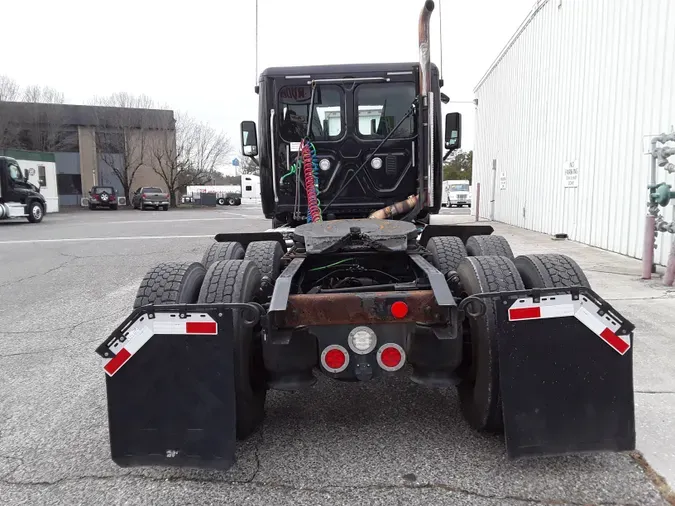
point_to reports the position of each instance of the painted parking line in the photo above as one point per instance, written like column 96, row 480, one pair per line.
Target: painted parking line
column 122, row 238
column 177, row 220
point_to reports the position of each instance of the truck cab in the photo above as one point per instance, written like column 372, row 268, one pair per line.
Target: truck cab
column 18, row 197
column 374, row 141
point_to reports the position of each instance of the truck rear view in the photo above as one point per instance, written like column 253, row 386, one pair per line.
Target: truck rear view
column 352, row 284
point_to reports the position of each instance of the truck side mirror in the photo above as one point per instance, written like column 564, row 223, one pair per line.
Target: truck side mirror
column 453, row 131
column 249, row 139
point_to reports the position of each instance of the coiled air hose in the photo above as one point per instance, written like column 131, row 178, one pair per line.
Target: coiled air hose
column 310, row 165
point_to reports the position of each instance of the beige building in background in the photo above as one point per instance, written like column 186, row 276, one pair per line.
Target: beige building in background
column 90, row 142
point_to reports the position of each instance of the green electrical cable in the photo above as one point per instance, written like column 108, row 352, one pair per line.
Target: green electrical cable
column 290, row 172
column 331, row 265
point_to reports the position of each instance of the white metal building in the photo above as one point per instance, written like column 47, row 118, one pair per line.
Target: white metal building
column 568, row 110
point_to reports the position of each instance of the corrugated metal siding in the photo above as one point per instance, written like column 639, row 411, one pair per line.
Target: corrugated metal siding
column 585, row 80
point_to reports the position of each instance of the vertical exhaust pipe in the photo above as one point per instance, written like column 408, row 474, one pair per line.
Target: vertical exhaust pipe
column 425, row 60
column 427, row 198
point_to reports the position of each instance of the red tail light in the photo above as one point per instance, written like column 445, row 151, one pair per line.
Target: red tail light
column 399, row 309
column 94, row 196
column 112, row 198
column 142, row 195
column 335, row 358
column 391, row 357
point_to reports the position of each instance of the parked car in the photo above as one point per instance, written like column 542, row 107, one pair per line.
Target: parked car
column 103, row 196
column 150, row 196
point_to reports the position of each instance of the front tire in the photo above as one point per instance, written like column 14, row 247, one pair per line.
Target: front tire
column 479, row 388
column 221, row 202
column 239, row 281
column 35, row 212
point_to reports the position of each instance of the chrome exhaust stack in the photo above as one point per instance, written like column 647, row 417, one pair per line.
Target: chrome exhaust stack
column 426, row 94
column 425, row 61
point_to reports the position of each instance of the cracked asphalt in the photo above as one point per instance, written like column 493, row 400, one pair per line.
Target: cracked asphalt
column 67, row 282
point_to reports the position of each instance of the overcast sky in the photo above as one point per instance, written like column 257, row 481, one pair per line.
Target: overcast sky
column 198, row 56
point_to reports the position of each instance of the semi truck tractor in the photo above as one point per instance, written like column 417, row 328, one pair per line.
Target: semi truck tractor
column 18, row 197
column 351, row 283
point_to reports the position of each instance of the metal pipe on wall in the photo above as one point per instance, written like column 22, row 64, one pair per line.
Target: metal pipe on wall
column 494, row 190
column 648, row 247
column 477, row 204
column 650, row 224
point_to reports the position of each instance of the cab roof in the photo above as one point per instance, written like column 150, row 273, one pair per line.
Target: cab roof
column 342, row 69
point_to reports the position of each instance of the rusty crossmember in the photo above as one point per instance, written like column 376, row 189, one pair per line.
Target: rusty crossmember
column 360, row 308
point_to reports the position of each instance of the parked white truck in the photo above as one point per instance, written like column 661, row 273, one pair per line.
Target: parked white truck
column 457, row 193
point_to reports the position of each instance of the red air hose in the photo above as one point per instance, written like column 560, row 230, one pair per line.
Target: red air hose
column 313, row 211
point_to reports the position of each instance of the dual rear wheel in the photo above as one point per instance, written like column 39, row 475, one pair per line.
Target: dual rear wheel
column 487, row 264
column 227, row 273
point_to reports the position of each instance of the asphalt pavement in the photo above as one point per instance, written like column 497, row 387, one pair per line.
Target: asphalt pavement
column 66, row 283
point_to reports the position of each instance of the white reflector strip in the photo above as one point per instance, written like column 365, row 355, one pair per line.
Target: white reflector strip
column 141, row 330
column 583, row 309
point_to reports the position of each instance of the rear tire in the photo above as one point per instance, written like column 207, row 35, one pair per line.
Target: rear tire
column 230, row 201
column 447, row 252
column 221, row 201
column 550, row 271
column 488, row 245
column 222, row 251
column 266, row 255
column 239, row 281
column 165, row 208
column 479, row 389
column 113, row 207
column 171, row 283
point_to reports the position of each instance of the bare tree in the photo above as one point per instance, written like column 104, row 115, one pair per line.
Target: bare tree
column 43, row 95
column 9, row 89
column 194, row 156
column 45, row 122
column 123, row 126
column 249, row 165
column 210, row 148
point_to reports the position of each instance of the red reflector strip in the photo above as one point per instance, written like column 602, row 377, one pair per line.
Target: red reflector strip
column 117, row 361
column 201, row 328
column 524, row 313
column 614, row 341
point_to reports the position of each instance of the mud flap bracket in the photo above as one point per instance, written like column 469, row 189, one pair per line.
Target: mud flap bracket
column 566, row 372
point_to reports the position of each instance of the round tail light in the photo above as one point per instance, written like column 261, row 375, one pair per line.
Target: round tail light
column 334, row 358
column 391, row 357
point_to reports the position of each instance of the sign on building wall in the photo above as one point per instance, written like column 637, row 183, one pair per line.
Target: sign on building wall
column 571, row 169
column 502, row 181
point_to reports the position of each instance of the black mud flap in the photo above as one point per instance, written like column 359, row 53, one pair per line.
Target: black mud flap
column 170, row 387
column 566, row 373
